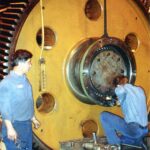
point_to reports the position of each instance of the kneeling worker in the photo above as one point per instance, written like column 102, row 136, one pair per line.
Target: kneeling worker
column 133, row 126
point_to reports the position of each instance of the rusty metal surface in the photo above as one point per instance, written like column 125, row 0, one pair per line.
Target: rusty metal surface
column 103, row 66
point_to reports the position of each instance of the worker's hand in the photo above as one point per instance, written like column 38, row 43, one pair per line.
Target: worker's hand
column 35, row 122
column 11, row 134
column 117, row 103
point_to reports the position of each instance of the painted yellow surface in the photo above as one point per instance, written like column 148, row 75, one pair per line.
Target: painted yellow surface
column 68, row 21
column 2, row 146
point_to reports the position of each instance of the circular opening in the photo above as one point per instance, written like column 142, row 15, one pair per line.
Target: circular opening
column 132, row 41
column 49, row 38
column 45, row 103
column 104, row 60
column 92, row 9
column 105, row 67
column 92, row 66
column 88, row 128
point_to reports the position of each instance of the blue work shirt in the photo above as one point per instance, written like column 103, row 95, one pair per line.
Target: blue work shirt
column 16, row 99
column 133, row 103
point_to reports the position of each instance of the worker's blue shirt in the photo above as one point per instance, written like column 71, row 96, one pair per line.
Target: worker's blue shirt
column 16, row 99
column 133, row 103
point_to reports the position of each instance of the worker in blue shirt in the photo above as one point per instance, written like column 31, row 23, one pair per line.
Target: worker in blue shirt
column 131, row 128
column 16, row 100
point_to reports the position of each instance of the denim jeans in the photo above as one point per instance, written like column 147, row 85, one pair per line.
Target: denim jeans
column 24, row 132
column 113, row 124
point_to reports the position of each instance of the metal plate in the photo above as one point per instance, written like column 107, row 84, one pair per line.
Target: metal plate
column 92, row 66
column 104, row 60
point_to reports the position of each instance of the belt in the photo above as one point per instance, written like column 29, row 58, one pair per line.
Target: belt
column 142, row 127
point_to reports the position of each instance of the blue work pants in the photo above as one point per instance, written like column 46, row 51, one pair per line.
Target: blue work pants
column 24, row 132
column 118, row 131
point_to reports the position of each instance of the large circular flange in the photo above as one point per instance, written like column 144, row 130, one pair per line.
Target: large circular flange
column 73, row 68
column 105, row 59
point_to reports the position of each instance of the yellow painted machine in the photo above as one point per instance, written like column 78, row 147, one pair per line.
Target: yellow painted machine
column 84, row 48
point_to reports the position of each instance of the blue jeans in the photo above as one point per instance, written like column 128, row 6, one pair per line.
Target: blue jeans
column 113, row 124
column 24, row 132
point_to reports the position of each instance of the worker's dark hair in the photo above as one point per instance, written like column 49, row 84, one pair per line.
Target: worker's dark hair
column 118, row 80
column 21, row 55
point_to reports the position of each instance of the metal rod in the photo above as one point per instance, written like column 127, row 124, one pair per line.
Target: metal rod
column 105, row 19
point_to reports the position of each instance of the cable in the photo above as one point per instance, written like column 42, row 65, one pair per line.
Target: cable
column 42, row 24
